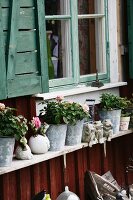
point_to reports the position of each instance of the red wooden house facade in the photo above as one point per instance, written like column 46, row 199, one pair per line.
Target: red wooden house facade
column 24, row 72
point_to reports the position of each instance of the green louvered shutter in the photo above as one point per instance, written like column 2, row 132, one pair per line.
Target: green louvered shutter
column 27, row 71
column 3, row 94
column 130, row 35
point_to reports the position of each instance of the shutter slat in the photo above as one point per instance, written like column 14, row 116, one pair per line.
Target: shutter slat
column 3, row 91
column 27, row 56
column 13, row 39
column 23, row 3
column 24, row 85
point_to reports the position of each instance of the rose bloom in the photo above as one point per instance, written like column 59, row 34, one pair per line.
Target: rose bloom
column 36, row 121
column 70, row 102
column 85, row 107
column 2, row 106
column 59, row 98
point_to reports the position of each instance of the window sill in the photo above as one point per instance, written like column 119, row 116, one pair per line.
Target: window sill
column 19, row 164
column 79, row 90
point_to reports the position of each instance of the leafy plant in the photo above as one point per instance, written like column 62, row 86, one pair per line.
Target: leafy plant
column 11, row 125
column 60, row 112
column 125, row 114
column 110, row 101
column 38, row 127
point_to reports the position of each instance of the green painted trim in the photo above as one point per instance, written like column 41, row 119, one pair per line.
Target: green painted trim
column 13, row 30
column 107, row 39
column 61, row 81
column 75, row 50
column 24, row 85
column 57, row 17
column 75, row 41
column 3, row 87
column 91, row 16
column 42, row 43
column 92, row 77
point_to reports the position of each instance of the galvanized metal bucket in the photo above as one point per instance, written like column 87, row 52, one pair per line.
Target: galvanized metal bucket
column 56, row 135
column 114, row 116
column 74, row 133
column 6, row 151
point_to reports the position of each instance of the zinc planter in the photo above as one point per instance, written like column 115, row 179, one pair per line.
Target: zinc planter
column 114, row 116
column 74, row 133
column 124, row 123
column 6, row 151
column 56, row 135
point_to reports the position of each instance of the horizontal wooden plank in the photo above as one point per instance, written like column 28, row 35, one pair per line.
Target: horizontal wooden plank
column 26, row 62
column 26, row 20
column 24, row 85
column 26, row 40
column 18, row 164
column 23, row 3
column 5, row 18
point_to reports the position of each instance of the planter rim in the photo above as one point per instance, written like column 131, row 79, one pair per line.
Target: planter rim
column 125, row 118
column 104, row 110
column 57, row 124
column 2, row 136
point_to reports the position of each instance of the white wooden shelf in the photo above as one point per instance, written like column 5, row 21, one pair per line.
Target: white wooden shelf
column 19, row 164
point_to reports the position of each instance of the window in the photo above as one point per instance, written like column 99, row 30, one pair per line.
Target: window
column 58, row 33
column 51, row 44
column 77, row 41
column 91, row 23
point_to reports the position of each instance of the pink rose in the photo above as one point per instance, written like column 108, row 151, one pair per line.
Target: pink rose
column 85, row 107
column 36, row 121
column 70, row 102
column 59, row 98
column 2, row 106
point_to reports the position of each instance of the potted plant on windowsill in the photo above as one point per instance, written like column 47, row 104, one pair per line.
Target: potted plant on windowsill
column 110, row 108
column 11, row 128
column 60, row 115
column 38, row 142
column 126, row 113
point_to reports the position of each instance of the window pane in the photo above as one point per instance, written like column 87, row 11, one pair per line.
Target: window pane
column 92, row 45
column 59, row 48
column 90, row 7
column 57, row 7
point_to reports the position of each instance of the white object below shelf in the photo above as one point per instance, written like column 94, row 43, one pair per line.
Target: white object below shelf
column 19, row 164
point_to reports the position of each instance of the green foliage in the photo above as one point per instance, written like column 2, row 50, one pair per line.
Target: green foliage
column 60, row 112
column 38, row 127
column 110, row 101
column 11, row 125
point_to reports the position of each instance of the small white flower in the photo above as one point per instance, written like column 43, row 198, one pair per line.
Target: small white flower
column 85, row 107
column 2, row 106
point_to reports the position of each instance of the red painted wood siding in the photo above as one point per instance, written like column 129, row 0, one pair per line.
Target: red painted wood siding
column 50, row 175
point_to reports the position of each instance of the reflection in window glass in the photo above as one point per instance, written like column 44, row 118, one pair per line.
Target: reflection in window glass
column 59, row 51
column 57, row 7
column 91, row 44
column 91, row 30
column 58, row 39
column 90, row 7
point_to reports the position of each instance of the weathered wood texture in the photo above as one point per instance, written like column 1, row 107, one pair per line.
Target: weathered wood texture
column 50, row 175
column 24, row 54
